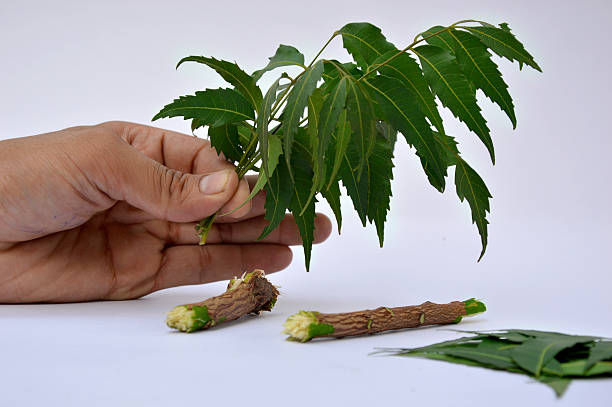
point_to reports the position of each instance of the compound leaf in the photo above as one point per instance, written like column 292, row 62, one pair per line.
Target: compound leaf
column 452, row 87
column 401, row 110
column 404, row 68
column 475, row 62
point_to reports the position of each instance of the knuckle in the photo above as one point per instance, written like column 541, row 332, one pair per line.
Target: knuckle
column 175, row 186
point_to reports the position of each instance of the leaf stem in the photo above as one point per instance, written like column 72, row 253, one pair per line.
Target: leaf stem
column 322, row 49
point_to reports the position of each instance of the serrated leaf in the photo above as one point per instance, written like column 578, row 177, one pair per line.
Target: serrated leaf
column 449, row 147
column 380, row 174
column 533, row 354
column 357, row 188
column 599, row 351
column 231, row 72
column 196, row 124
column 472, row 188
column 360, row 113
column 475, row 62
column 401, row 109
column 387, row 131
column 341, row 139
column 244, row 133
column 302, row 211
column 452, row 87
column 558, row 384
column 332, row 195
column 296, row 103
column 315, row 102
column 285, row 55
column 263, row 120
column 365, row 42
column 330, row 111
column 279, row 193
column 225, row 139
column 504, row 43
column 211, row 107
column 404, row 68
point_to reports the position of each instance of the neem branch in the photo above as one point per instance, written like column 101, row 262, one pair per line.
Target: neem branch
column 306, row 325
column 250, row 294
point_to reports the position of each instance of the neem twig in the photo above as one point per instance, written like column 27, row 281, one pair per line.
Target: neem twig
column 306, row 325
column 250, row 294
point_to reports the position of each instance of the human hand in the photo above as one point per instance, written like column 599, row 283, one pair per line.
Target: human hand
column 107, row 212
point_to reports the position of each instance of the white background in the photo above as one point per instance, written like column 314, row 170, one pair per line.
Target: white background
column 548, row 265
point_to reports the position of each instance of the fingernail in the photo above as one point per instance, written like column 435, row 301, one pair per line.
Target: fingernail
column 215, row 182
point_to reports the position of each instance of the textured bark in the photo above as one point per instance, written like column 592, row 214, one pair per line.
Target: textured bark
column 252, row 297
column 386, row 319
column 248, row 295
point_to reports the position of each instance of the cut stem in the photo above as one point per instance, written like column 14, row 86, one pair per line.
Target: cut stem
column 250, row 294
column 306, row 325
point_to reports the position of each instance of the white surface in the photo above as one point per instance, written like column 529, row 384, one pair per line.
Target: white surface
column 548, row 265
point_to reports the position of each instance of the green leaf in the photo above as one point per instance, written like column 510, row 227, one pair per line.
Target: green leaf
column 401, row 109
column 278, row 197
column 263, row 120
column 380, row 174
column 231, row 72
column 452, row 87
column 533, row 354
column 472, row 188
column 504, row 43
column 387, row 131
column 211, row 107
column 285, row 55
column 404, row 68
column 225, row 139
column 475, row 62
column 296, row 103
column 360, row 114
column 449, row 147
column 487, row 353
column 332, row 195
column 577, row 369
column 303, row 213
column 356, row 188
column 558, row 384
column 599, row 351
column 364, row 42
column 332, row 107
column 341, row 139
column 315, row 102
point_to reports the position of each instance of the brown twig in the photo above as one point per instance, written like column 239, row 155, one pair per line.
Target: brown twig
column 306, row 325
column 250, row 294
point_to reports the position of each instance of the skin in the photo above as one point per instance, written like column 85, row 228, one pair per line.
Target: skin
column 107, row 212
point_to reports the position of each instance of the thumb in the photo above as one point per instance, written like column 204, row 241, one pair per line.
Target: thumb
column 170, row 194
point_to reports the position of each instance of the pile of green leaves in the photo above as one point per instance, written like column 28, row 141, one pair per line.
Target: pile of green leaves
column 550, row 357
column 354, row 111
